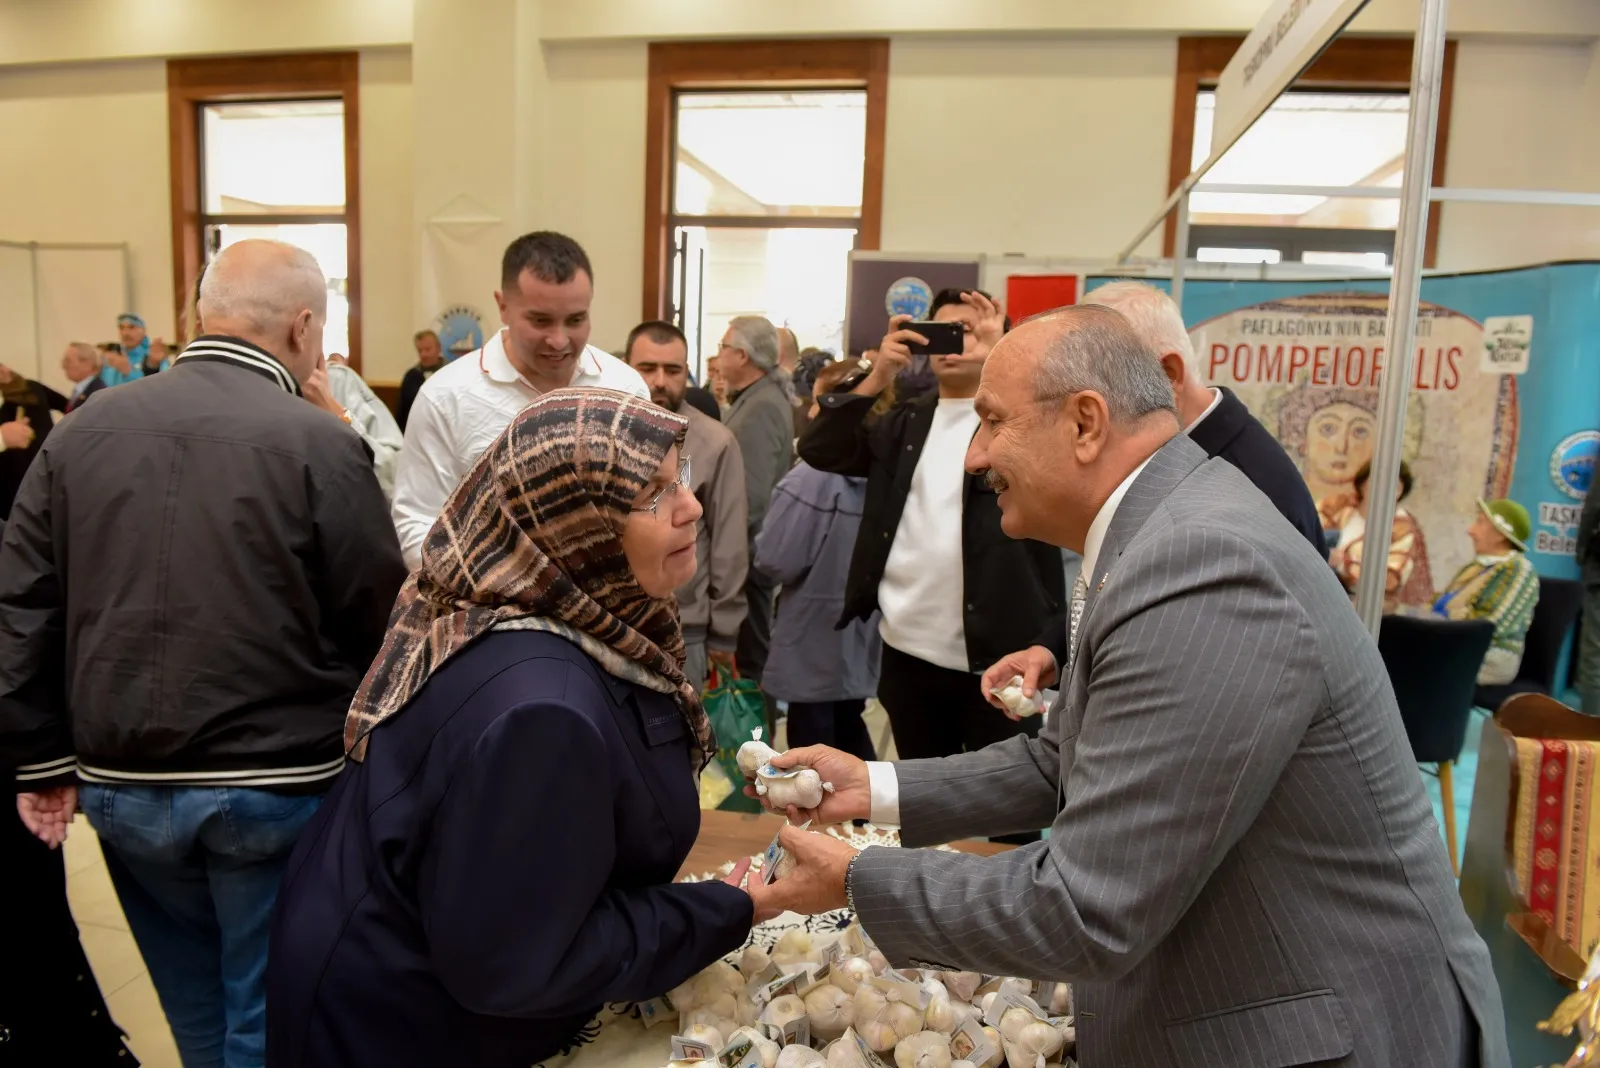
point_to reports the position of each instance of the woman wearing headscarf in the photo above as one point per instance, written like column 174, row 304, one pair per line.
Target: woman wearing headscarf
column 496, row 862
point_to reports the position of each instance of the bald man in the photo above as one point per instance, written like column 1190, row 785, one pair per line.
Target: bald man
column 232, row 570
column 1242, row 866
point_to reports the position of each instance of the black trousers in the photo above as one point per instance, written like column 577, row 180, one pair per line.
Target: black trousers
column 835, row 723
column 937, row 712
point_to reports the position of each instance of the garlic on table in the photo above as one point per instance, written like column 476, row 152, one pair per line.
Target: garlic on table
column 800, row 787
column 962, row 985
column 701, row 1033
column 1061, row 1000
column 1028, row 1039
column 925, row 1049
column 753, row 961
column 844, row 1054
column 753, row 754
column 709, row 1020
column 850, row 973
column 830, row 1010
column 764, row 1045
column 879, row 962
column 796, row 947
column 707, row 987
column 800, row 1057
column 940, row 1015
column 881, row 1022
column 999, row 1048
column 783, row 1011
column 962, row 1064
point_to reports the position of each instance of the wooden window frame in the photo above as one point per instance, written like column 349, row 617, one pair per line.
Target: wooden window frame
column 846, row 63
column 1350, row 64
column 192, row 83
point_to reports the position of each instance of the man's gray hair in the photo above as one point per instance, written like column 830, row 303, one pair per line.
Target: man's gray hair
column 88, row 352
column 758, row 339
column 1099, row 350
column 263, row 298
column 1153, row 315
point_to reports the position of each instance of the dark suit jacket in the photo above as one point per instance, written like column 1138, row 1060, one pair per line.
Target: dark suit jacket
column 704, row 400
column 1243, row 868
column 498, row 868
column 65, row 403
column 410, row 386
column 25, row 399
column 1233, row 434
column 1011, row 587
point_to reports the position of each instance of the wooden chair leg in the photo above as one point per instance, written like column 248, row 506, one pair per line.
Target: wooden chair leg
column 1447, row 795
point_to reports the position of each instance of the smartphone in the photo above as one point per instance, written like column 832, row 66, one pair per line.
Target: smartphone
column 944, row 339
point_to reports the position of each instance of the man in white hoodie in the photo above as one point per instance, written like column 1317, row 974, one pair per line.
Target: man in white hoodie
column 546, row 286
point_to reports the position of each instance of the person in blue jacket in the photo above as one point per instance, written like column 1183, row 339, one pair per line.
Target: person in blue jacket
column 823, row 671
column 496, row 862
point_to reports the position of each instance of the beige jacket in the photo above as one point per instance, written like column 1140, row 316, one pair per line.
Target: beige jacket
column 714, row 598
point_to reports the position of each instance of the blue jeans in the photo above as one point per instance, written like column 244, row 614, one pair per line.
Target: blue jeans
column 197, row 870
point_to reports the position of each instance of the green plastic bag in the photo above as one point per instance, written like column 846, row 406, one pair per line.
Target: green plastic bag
column 736, row 708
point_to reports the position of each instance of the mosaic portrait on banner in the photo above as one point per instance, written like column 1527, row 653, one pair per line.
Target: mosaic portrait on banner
column 1308, row 367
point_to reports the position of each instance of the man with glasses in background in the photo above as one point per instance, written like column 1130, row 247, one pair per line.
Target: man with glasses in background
column 546, row 286
column 711, row 605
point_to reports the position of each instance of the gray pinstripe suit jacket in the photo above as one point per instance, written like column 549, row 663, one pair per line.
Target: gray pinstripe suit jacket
column 1243, row 868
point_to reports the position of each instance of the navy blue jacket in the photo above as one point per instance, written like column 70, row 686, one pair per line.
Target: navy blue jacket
column 498, row 868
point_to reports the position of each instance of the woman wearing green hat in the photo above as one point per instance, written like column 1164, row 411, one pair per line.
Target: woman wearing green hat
column 1498, row 585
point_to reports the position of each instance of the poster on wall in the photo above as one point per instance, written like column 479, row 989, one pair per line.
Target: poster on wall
column 898, row 284
column 1504, row 401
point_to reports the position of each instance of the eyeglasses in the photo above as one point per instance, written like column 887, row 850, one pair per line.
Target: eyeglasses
column 682, row 483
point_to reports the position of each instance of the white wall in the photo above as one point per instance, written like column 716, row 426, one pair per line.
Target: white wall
column 1525, row 116
column 388, row 254
column 1037, row 146
column 88, row 162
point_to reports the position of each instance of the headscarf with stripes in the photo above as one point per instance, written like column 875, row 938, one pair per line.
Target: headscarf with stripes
column 532, row 540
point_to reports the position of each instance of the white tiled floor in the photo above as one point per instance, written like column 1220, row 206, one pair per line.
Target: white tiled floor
column 115, row 958
column 112, row 952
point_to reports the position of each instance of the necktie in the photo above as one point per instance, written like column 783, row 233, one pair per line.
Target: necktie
column 1080, row 593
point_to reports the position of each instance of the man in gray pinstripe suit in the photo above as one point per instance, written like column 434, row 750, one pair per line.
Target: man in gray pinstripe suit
column 1242, row 868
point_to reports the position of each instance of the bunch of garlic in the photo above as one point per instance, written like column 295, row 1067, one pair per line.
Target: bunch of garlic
column 830, row 1010
column 940, row 1015
column 850, row 973
column 800, row 1057
column 1029, row 1040
column 925, row 1049
column 796, row 947
column 963, row 986
column 703, row 1033
column 763, row 1045
column 844, row 1054
column 999, row 1048
column 800, row 787
column 753, row 961
column 708, row 989
column 882, row 1021
column 783, row 1011
column 753, row 754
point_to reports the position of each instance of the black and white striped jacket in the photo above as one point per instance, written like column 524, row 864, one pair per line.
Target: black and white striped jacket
column 198, row 569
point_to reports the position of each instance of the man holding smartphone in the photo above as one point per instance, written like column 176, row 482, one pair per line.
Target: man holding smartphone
column 952, row 587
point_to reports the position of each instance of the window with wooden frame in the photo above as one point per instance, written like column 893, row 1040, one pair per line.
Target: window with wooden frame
column 1342, row 123
column 268, row 147
column 764, row 168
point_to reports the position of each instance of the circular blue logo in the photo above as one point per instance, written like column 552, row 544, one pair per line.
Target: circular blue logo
column 1572, row 463
column 460, row 331
column 908, row 296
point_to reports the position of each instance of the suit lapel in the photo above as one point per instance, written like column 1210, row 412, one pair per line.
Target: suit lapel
column 1171, row 464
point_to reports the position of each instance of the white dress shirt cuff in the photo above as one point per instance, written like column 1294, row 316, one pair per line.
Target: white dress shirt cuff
column 885, row 787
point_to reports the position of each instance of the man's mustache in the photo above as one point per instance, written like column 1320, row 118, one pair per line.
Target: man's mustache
column 995, row 482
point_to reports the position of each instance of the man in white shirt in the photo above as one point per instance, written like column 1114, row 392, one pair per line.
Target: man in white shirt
column 546, row 285
column 953, row 589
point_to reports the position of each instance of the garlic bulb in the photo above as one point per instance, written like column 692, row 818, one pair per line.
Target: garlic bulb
column 882, row 1023
column 999, row 1049
column 764, row 1045
column 925, row 1049
column 753, row 754
column 753, row 961
column 850, row 973
column 960, row 1011
column 962, row 1064
column 783, row 1011
column 1028, row 1039
column 830, row 1010
column 1016, row 702
column 962, row 985
column 879, row 962
column 844, row 1054
column 707, row 987
column 747, row 1012
column 701, row 1033
column 709, row 1020
column 800, row 787
column 1060, row 1000
column 796, row 947
column 800, row 1057
column 940, row 1015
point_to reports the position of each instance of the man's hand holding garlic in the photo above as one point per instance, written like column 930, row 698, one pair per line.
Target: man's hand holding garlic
column 850, row 798
column 815, row 884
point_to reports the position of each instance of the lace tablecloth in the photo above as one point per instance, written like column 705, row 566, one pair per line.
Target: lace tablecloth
column 616, row 1038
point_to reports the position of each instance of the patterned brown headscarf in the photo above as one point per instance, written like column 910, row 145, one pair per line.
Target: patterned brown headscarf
column 532, row 540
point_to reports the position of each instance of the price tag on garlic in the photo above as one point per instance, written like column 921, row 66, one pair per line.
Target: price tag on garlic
column 776, row 862
column 868, row 1058
column 819, row 977
column 741, row 1053
column 901, row 989
column 654, row 1011
column 1010, row 999
column 787, row 984
column 687, row 1049
column 759, row 981
column 969, row 1043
